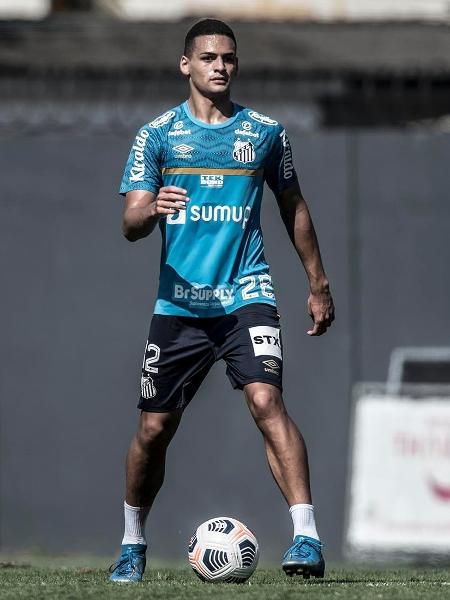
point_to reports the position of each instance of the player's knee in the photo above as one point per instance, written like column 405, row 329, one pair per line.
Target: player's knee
column 265, row 403
column 156, row 429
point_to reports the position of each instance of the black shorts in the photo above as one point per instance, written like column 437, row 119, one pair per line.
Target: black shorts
column 181, row 350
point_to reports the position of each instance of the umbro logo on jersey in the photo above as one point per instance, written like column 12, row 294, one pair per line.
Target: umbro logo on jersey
column 183, row 151
column 244, row 151
column 183, row 148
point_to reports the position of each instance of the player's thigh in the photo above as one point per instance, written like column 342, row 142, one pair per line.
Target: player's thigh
column 176, row 360
column 253, row 348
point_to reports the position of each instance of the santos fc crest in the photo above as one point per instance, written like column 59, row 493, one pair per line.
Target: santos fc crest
column 244, row 151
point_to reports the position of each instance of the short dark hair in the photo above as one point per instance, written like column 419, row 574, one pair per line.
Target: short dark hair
column 206, row 27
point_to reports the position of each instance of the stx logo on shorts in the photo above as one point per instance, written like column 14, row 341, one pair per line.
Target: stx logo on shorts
column 266, row 341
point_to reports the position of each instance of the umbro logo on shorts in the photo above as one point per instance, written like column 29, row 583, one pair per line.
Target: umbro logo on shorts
column 271, row 366
column 266, row 340
column 271, row 363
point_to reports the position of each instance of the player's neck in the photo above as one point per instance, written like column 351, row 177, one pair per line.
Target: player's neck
column 211, row 111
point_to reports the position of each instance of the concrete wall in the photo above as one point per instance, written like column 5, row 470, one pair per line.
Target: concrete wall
column 77, row 300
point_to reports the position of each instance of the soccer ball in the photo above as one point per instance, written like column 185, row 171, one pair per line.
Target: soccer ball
column 223, row 550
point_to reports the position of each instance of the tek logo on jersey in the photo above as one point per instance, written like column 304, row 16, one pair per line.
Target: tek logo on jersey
column 266, row 341
column 244, row 151
column 183, row 151
column 211, row 181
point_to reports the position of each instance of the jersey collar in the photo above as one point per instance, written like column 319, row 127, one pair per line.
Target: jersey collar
column 210, row 125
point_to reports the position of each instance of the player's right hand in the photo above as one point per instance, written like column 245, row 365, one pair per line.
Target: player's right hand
column 170, row 200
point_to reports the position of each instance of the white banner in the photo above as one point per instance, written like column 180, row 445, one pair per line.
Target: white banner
column 24, row 9
column 400, row 479
column 283, row 9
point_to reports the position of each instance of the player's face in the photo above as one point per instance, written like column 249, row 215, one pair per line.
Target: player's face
column 212, row 65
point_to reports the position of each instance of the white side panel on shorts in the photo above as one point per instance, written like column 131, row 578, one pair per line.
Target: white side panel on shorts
column 266, row 340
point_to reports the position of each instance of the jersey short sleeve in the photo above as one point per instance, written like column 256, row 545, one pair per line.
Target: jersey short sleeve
column 143, row 168
column 279, row 171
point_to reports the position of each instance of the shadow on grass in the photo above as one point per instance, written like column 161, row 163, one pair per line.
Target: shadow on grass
column 14, row 565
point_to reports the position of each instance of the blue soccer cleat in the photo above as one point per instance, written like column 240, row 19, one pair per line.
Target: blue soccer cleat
column 304, row 557
column 130, row 566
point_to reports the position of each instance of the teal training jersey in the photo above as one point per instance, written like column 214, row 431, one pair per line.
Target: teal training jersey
column 212, row 259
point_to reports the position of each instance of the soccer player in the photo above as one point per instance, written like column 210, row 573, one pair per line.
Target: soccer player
column 198, row 172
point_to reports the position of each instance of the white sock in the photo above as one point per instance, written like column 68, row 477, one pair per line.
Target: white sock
column 303, row 519
column 135, row 517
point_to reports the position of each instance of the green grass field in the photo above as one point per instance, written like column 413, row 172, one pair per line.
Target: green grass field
column 33, row 578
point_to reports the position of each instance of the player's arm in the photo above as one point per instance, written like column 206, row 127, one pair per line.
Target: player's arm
column 295, row 214
column 143, row 209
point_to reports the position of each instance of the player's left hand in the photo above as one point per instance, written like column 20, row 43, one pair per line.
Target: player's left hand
column 321, row 311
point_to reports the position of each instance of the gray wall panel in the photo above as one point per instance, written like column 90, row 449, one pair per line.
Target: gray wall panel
column 405, row 214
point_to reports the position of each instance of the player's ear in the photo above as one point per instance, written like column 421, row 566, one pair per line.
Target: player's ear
column 184, row 65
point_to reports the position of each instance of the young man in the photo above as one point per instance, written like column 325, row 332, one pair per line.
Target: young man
column 198, row 172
